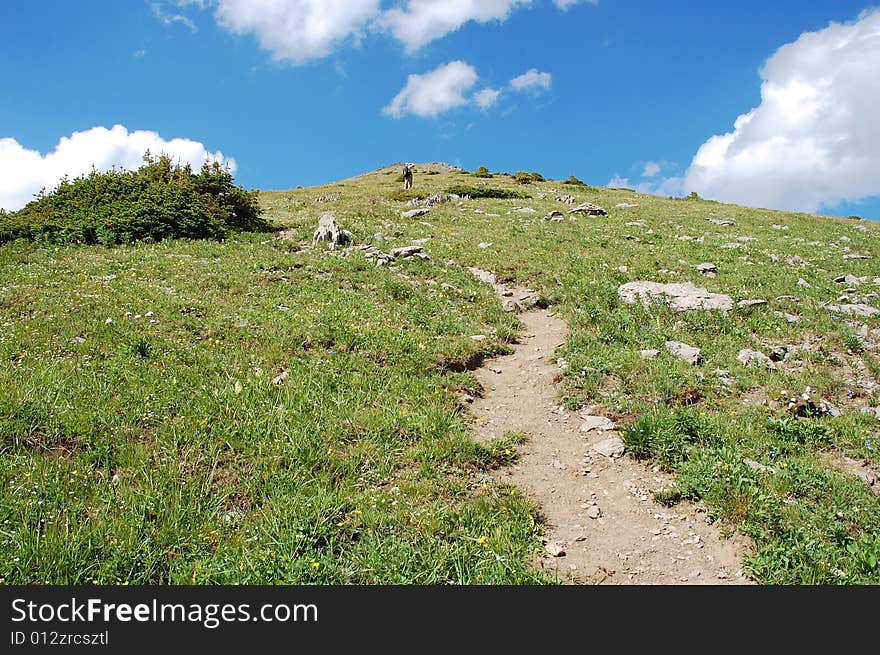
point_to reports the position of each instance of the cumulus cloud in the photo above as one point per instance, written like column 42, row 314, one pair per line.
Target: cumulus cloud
column 531, row 81
column 24, row 172
column 433, row 93
column 298, row 30
column 487, row 98
column 423, row 21
column 652, row 169
column 815, row 139
column 302, row 30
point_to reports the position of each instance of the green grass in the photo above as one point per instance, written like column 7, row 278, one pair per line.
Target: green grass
column 155, row 448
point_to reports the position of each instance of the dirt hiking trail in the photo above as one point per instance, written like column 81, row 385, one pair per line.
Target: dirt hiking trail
column 601, row 523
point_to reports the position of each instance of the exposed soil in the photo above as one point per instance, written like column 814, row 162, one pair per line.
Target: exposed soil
column 633, row 540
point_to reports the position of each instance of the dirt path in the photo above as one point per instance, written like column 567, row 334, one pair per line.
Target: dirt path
column 632, row 539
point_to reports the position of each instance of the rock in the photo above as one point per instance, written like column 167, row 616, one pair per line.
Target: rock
column 684, row 352
column 483, row 276
column 756, row 466
column 555, row 550
column 803, row 283
column 590, row 209
column 753, row 357
column 413, row 213
column 525, row 210
column 854, row 310
column 706, row 267
column 794, row 260
column 682, row 296
column 554, row 216
column 779, row 353
column 484, row 244
column 636, row 224
column 649, row 354
column 329, row 231
column 568, row 200
column 721, row 221
column 851, row 280
column 731, row 246
column 624, row 205
column 406, row 252
column 281, row 377
column 597, row 423
column 748, row 304
column 613, row 447
column 777, row 226
column 855, row 255
column 594, row 512
column 623, row 269
column 874, row 411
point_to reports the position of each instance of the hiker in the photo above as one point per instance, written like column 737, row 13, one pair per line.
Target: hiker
column 407, row 176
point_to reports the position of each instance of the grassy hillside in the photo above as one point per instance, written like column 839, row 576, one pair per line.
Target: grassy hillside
column 145, row 439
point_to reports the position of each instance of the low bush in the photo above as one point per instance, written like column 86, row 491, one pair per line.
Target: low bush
column 158, row 201
column 484, row 192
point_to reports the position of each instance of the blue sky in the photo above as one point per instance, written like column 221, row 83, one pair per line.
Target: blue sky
column 634, row 92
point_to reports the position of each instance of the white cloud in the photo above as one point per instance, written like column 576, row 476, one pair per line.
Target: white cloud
column 170, row 19
column 423, row 21
column 302, row 30
column 298, row 30
column 487, row 98
column 815, row 138
column 531, row 81
column 565, row 5
column 652, row 169
column 433, row 93
column 24, row 172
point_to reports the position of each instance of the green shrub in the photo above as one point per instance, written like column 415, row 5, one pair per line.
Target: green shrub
column 158, row 201
column 573, row 181
column 405, row 195
column 522, row 177
column 484, row 192
column 482, row 171
column 537, row 177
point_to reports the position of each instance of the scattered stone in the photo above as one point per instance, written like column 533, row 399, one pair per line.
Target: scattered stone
column 568, row 200
column 707, row 267
column 590, row 209
column 408, row 251
column 281, row 377
column 594, row 512
column 328, row 230
column 684, row 352
column 602, row 423
column 757, row 466
column 803, row 283
column 721, row 221
column 483, row 276
column 731, row 246
column 484, row 244
column 649, row 354
column 525, row 210
column 636, row 224
column 555, row 550
column 854, row 310
column 854, row 255
column 794, row 260
column 753, row 357
column 413, row 213
column 851, row 280
column 777, row 226
column 623, row 269
column 778, row 353
column 682, row 296
column 613, row 447
column 624, row 205
column 748, row 304
column 554, row 216
column 875, row 411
